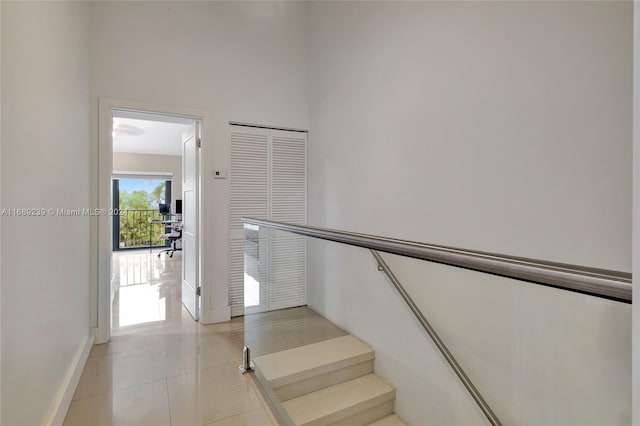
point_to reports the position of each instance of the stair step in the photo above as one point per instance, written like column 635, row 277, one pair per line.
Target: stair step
column 391, row 420
column 355, row 402
column 305, row 362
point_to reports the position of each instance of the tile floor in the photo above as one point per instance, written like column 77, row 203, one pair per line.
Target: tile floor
column 163, row 368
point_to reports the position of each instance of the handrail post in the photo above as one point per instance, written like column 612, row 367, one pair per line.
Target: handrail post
column 246, row 360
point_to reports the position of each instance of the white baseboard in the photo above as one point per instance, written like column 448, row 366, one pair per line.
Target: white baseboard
column 217, row 314
column 71, row 379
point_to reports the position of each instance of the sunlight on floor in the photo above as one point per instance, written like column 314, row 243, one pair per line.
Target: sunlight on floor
column 141, row 303
column 145, row 287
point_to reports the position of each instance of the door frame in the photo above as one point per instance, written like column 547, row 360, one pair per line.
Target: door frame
column 102, row 294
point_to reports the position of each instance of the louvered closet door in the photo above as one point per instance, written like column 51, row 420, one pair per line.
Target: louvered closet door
column 249, row 196
column 288, row 204
column 268, row 180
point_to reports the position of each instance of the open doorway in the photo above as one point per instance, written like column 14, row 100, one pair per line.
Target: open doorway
column 153, row 231
column 147, row 181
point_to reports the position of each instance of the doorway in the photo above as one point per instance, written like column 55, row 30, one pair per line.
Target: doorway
column 149, row 257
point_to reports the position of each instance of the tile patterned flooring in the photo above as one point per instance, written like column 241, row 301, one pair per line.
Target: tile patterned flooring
column 163, row 368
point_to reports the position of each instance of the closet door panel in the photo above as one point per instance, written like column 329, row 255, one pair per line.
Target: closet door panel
column 248, row 197
column 288, row 204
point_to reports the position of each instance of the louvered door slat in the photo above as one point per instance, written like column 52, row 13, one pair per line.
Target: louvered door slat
column 249, row 174
column 288, row 174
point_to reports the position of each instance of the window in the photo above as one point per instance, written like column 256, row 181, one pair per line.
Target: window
column 136, row 199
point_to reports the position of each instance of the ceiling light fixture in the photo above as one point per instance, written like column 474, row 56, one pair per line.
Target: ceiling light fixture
column 127, row 130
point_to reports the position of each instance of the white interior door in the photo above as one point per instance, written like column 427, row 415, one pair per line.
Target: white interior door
column 190, row 225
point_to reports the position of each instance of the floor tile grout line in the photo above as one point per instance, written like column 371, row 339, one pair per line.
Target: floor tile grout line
column 150, row 382
column 166, row 386
column 234, row 415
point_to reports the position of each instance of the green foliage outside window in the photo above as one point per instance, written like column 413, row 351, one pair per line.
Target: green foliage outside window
column 136, row 208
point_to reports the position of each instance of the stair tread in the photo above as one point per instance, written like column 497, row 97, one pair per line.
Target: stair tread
column 292, row 365
column 339, row 401
column 391, row 420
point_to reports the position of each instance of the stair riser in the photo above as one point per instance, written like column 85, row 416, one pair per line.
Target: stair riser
column 367, row 416
column 319, row 370
column 374, row 408
column 391, row 420
column 358, row 418
column 322, row 381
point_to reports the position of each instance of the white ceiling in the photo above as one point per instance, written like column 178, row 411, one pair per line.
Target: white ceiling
column 147, row 136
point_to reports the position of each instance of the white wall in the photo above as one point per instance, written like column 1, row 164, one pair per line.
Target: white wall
column 500, row 126
column 130, row 162
column 497, row 126
column 45, row 163
column 238, row 61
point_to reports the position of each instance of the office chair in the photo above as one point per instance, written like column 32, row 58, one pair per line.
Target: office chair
column 173, row 237
column 175, row 234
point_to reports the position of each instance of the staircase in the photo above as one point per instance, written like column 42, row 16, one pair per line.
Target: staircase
column 330, row 382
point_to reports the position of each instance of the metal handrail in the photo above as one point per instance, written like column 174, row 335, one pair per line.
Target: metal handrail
column 468, row 384
column 603, row 283
column 597, row 282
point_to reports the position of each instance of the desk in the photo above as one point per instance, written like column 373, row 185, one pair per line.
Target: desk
column 168, row 222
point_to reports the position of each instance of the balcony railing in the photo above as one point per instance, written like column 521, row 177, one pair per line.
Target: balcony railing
column 135, row 231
